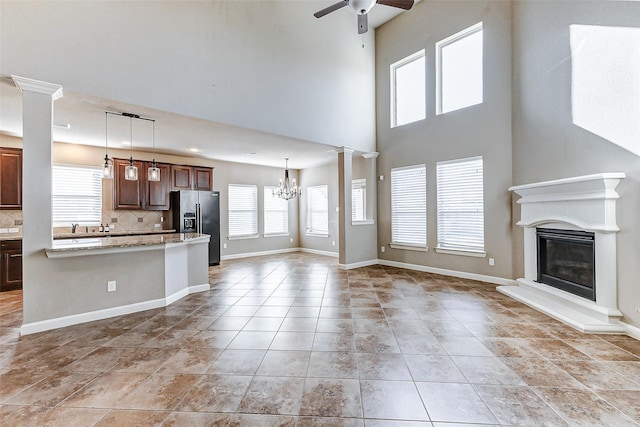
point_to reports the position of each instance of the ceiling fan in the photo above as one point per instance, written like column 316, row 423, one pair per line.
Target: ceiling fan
column 362, row 7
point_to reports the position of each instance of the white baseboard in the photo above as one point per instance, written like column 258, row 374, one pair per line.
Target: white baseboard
column 318, row 252
column 452, row 273
column 632, row 331
column 91, row 316
column 263, row 253
column 358, row 264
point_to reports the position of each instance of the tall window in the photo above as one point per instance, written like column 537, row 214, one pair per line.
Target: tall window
column 409, row 206
column 461, row 205
column 243, row 210
column 358, row 199
column 76, row 195
column 408, row 90
column 459, row 70
column 318, row 210
column 276, row 213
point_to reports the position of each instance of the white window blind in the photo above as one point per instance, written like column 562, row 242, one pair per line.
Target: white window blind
column 76, row 195
column 409, row 206
column 243, row 210
column 461, row 205
column 276, row 213
column 459, row 70
column 358, row 199
column 408, row 95
column 318, row 210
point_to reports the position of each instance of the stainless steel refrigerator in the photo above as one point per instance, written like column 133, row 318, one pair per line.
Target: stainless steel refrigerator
column 198, row 212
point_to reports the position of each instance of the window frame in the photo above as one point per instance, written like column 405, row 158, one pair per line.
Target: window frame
column 393, row 68
column 268, row 192
column 359, row 184
column 96, row 197
column 310, row 192
column 440, row 45
column 254, row 233
column 395, row 242
column 459, row 248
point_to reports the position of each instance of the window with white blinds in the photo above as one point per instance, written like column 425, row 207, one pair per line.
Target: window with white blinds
column 358, row 199
column 461, row 205
column 318, row 210
column 276, row 213
column 409, row 206
column 76, row 195
column 243, row 210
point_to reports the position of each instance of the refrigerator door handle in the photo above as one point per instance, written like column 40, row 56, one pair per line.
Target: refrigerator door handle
column 198, row 218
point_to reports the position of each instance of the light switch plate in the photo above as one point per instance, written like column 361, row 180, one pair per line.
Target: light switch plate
column 111, row 286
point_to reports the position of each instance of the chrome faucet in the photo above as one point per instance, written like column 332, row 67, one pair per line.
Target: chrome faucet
column 73, row 227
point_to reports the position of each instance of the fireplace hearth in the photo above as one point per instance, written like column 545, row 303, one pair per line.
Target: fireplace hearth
column 566, row 260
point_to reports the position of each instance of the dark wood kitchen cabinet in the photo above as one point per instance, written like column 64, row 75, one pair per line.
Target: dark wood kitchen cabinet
column 10, row 178
column 191, row 178
column 11, row 262
column 127, row 194
column 156, row 196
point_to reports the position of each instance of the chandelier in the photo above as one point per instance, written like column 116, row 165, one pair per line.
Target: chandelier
column 288, row 189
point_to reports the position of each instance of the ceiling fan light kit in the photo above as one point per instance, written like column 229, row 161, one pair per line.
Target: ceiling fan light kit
column 362, row 8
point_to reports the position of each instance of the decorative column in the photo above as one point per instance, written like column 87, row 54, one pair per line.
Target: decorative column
column 37, row 125
column 345, row 157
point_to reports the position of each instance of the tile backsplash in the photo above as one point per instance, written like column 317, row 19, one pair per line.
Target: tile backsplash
column 123, row 220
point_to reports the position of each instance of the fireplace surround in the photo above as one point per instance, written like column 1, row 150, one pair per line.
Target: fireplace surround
column 583, row 206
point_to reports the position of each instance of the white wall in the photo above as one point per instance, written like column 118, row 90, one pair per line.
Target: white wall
column 546, row 143
column 258, row 64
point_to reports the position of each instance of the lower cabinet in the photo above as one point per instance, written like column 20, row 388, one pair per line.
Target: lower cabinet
column 11, row 261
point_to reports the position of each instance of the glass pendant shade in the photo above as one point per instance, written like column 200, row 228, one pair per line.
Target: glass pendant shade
column 153, row 173
column 107, row 169
column 131, row 171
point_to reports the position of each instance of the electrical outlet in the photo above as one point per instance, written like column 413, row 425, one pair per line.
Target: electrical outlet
column 224, row 246
column 333, row 243
column 291, row 240
column 382, row 249
column 157, row 225
column 111, row 286
column 492, row 262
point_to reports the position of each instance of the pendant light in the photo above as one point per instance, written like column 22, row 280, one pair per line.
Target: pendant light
column 288, row 189
column 107, row 169
column 153, row 173
column 131, row 171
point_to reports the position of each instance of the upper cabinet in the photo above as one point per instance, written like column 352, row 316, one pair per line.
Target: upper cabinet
column 154, row 195
column 191, row 178
column 10, row 178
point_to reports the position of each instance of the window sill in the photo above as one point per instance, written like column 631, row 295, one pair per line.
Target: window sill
column 311, row 234
column 364, row 222
column 408, row 247
column 253, row 236
column 461, row 252
column 276, row 235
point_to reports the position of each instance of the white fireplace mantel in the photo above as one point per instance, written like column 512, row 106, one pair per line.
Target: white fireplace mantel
column 586, row 203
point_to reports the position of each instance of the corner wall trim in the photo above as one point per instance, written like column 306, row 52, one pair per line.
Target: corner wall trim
column 358, row 264
column 445, row 272
column 318, row 252
column 632, row 331
column 262, row 253
column 75, row 319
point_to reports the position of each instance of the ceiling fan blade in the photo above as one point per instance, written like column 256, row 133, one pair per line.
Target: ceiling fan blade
column 363, row 24
column 402, row 4
column 333, row 7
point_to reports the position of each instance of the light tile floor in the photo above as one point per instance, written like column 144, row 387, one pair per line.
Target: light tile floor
column 292, row 340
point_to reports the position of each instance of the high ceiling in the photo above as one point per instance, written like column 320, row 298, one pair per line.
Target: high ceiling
column 79, row 118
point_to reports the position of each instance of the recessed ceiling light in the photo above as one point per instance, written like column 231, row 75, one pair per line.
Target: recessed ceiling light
column 251, row 154
column 62, row 125
column 194, row 150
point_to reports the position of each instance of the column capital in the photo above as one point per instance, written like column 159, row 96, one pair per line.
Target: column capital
column 344, row 150
column 31, row 85
column 371, row 155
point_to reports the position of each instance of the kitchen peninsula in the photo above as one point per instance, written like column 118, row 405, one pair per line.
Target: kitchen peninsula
column 96, row 278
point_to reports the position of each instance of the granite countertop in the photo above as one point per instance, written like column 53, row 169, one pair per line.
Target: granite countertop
column 82, row 244
column 10, row 236
column 82, row 235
